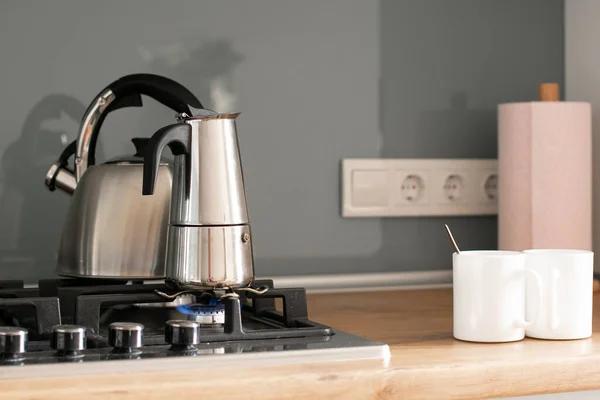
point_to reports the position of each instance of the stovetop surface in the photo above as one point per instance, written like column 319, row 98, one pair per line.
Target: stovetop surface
column 332, row 343
column 251, row 323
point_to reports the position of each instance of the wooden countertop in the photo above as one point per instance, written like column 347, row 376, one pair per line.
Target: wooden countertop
column 426, row 363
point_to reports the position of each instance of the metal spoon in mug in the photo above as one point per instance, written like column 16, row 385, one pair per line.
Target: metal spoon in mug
column 452, row 239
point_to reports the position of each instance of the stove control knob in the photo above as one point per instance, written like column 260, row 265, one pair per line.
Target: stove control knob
column 182, row 333
column 125, row 336
column 68, row 340
column 13, row 341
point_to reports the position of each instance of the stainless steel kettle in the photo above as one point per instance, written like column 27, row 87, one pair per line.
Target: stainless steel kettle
column 209, row 244
column 111, row 230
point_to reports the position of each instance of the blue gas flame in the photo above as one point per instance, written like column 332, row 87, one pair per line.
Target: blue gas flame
column 214, row 306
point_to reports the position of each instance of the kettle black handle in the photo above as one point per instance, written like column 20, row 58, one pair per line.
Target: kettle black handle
column 128, row 92
column 178, row 138
column 164, row 90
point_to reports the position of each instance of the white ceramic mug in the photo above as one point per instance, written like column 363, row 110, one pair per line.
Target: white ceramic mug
column 489, row 295
column 568, row 279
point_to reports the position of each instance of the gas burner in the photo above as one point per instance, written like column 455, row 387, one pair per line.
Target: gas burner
column 205, row 314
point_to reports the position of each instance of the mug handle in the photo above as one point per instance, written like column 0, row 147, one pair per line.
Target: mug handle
column 537, row 279
column 554, row 320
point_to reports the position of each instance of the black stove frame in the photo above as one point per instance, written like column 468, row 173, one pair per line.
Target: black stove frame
column 80, row 301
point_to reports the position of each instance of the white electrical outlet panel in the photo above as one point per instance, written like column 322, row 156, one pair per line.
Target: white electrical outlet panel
column 419, row 187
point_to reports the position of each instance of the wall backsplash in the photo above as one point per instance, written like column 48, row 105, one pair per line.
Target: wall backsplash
column 581, row 84
column 316, row 81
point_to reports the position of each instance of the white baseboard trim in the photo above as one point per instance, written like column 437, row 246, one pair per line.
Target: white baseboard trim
column 367, row 281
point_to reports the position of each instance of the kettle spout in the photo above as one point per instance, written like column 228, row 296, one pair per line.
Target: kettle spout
column 59, row 177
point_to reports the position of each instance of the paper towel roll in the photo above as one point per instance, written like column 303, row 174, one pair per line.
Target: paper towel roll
column 545, row 175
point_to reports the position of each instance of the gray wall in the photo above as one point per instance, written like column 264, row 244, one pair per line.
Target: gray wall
column 582, row 80
column 317, row 81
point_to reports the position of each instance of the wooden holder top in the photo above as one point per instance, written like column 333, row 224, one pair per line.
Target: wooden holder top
column 549, row 91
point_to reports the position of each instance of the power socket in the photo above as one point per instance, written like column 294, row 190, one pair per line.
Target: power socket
column 419, row 187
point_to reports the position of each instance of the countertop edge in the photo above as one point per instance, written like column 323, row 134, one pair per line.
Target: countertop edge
column 328, row 380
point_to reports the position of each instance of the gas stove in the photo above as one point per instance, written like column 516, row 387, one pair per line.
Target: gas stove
column 66, row 321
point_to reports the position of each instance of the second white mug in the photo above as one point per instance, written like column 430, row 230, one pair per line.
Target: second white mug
column 568, row 279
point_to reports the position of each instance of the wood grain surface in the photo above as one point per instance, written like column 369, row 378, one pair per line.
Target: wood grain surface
column 426, row 363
